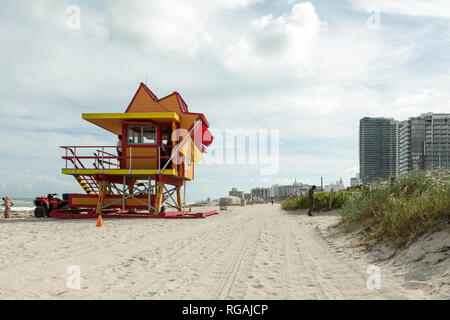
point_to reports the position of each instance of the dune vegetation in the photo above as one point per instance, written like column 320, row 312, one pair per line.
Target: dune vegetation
column 401, row 209
column 397, row 210
column 321, row 201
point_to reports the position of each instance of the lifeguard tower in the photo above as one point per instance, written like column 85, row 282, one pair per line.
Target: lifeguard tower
column 142, row 176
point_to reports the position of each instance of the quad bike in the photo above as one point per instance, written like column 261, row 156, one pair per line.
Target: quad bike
column 44, row 205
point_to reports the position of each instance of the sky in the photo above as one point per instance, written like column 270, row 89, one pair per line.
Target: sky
column 308, row 70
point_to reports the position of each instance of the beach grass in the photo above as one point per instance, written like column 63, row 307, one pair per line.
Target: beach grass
column 401, row 209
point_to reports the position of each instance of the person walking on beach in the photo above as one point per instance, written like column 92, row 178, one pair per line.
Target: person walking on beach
column 272, row 200
column 311, row 200
column 7, row 203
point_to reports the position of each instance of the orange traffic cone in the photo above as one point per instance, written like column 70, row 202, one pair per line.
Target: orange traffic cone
column 99, row 221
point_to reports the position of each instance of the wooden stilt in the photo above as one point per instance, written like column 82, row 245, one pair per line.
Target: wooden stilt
column 179, row 198
column 159, row 195
column 101, row 197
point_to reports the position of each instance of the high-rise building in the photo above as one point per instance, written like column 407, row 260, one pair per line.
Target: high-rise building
column 424, row 142
column 378, row 148
column 411, row 144
column 388, row 148
column 437, row 140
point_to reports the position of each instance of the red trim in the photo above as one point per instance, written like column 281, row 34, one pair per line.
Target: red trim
column 123, row 161
column 66, row 214
column 201, row 115
column 169, row 180
column 134, row 97
column 158, row 144
column 182, row 103
column 150, row 92
column 209, row 213
column 205, row 122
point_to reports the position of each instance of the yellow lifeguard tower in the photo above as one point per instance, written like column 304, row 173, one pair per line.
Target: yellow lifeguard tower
column 144, row 173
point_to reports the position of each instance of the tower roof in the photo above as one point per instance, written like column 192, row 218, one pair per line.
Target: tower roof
column 146, row 105
column 145, row 100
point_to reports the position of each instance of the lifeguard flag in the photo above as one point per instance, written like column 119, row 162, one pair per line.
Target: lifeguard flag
column 191, row 151
column 201, row 138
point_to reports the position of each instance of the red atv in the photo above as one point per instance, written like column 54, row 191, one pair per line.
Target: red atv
column 44, row 205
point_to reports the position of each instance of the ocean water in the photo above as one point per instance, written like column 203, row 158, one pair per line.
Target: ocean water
column 20, row 204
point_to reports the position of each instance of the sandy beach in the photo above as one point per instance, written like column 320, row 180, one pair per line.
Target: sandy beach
column 252, row 252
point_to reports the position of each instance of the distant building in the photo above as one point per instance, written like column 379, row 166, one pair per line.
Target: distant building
column 378, row 148
column 338, row 186
column 235, row 193
column 285, row 191
column 388, row 148
column 263, row 193
column 424, row 142
column 279, row 191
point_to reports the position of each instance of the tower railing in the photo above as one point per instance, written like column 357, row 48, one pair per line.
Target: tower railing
column 106, row 158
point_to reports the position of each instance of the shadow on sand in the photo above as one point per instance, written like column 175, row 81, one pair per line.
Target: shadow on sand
column 304, row 212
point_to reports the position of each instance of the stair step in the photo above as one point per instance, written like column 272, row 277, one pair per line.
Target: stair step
column 84, row 183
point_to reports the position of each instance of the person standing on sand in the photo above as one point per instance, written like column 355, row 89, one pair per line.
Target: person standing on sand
column 311, row 200
column 7, row 204
column 272, row 200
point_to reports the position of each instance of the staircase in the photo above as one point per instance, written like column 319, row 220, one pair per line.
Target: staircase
column 88, row 184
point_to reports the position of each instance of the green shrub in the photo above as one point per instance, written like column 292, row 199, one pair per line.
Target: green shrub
column 401, row 209
column 321, row 201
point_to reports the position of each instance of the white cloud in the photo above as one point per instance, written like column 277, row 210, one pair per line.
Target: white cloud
column 176, row 25
column 425, row 8
column 302, row 44
column 283, row 43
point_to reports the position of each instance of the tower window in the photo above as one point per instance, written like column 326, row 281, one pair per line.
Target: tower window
column 142, row 135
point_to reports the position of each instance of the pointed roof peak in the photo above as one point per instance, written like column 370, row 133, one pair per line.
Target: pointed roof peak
column 150, row 92
column 182, row 103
